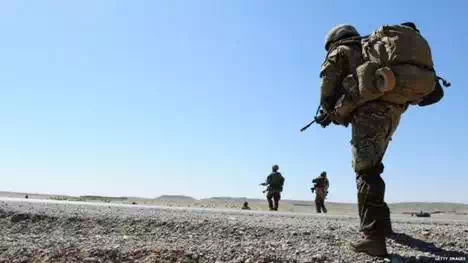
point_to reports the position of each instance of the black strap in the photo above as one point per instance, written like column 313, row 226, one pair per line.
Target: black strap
column 444, row 82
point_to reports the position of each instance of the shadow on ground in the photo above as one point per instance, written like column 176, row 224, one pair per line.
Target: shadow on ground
column 441, row 255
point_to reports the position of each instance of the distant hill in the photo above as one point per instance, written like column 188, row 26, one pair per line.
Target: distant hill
column 226, row 198
column 175, row 198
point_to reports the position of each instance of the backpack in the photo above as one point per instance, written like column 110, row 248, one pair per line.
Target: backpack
column 397, row 44
column 397, row 68
column 406, row 55
column 277, row 181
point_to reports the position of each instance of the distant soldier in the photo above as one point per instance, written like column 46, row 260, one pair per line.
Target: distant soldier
column 275, row 182
column 320, row 188
column 245, row 206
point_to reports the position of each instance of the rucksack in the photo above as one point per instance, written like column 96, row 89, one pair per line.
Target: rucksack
column 395, row 45
column 407, row 55
column 397, row 68
column 277, row 179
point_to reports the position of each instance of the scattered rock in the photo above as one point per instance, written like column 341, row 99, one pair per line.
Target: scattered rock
column 90, row 259
column 78, row 233
column 317, row 257
column 19, row 217
column 426, row 233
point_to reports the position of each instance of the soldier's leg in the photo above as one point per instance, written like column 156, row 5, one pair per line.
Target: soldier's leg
column 388, row 222
column 277, row 197
column 323, row 206
column 371, row 191
column 372, row 127
column 270, row 201
column 318, row 205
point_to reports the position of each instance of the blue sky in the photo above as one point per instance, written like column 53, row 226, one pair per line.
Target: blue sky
column 143, row 98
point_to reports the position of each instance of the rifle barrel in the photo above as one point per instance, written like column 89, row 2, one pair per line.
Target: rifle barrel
column 308, row 125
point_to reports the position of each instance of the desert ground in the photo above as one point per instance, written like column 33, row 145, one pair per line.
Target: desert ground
column 46, row 228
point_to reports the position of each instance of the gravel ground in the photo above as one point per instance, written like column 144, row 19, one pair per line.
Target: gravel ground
column 61, row 232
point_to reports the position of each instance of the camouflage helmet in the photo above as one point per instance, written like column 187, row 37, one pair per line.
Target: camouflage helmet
column 275, row 168
column 340, row 32
column 323, row 174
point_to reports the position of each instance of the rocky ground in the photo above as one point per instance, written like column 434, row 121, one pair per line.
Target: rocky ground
column 61, row 232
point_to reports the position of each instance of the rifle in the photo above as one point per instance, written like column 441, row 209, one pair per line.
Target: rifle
column 267, row 185
column 320, row 117
column 314, row 181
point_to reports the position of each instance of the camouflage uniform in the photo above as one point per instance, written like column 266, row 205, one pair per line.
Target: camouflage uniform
column 275, row 182
column 373, row 124
column 321, row 190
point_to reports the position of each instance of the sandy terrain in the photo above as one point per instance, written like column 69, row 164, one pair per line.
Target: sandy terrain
column 61, row 231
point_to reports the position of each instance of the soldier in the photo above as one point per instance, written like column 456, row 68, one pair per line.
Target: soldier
column 320, row 188
column 275, row 182
column 373, row 122
column 245, row 206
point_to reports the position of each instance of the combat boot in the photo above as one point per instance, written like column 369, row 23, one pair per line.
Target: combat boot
column 270, row 204
column 318, row 207
column 371, row 245
column 276, row 205
column 388, row 231
column 324, row 209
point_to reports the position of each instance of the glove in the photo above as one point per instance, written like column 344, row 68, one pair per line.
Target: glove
column 323, row 119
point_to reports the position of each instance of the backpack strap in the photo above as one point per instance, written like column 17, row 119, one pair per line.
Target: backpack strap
column 444, row 82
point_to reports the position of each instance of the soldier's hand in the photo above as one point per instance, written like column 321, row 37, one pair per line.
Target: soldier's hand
column 323, row 119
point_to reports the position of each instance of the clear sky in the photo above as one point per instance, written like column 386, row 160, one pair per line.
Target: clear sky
column 143, row 98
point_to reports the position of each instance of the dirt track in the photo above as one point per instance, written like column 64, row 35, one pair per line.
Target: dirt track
column 70, row 232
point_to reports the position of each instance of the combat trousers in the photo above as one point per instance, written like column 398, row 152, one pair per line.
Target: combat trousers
column 320, row 200
column 273, row 196
column 373, row 124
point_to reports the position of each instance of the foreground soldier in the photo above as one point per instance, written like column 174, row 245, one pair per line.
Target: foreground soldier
column 320, row 188
column 366, row 82
column 275, row 182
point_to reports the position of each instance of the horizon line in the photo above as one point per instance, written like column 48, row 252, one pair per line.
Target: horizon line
column 224, row 197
